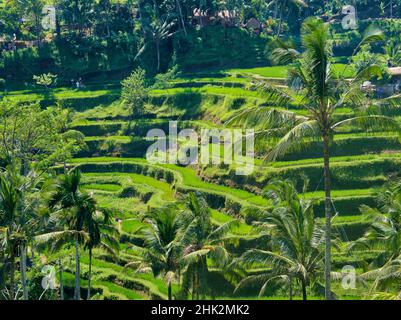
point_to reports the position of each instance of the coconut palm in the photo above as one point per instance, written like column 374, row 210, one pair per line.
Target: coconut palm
column 384, row 234
column 384, row 278
column 156, row 33
column 322, row 94
column 18, row 218
column 79, row 221
column 102, row 233
column 281, row 6
column 163, row 249
column 10, row 235
column 297, row 242
column 73, row 209
column 201, row 241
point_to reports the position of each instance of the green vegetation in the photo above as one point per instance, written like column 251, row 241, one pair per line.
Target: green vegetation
column 77, row 192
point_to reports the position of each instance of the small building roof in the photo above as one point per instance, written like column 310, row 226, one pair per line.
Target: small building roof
column 395, row 71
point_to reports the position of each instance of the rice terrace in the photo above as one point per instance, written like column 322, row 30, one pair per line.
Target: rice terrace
column 200, row 150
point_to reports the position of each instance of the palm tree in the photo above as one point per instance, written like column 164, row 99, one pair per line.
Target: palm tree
column 73, row 210
column 179, row 8
column 163, row 250
column 201, row 241
column 102, row 233
column 384, row 280
column 322, row 95
column 79, row 221
column 155, row 33
column 297, row 241
column 384, row 234
column 17, row 221
column 280, row 6
column 10, row 199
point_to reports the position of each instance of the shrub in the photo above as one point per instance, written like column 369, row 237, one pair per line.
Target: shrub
column 128, row 192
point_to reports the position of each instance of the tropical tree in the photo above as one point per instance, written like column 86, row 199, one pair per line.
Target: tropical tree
column 201, row 241
column 79, row 221
column 393, row 51
column 102, row 233
column 384, row 279
column 297, row 242
column 279, row 7
column 155, row 34
column 322, row 94
column 73, row 212
column 10, row 234
column 163, row 249
column 134, row 93
column 384, row 234
column 19, row 218
column 36, row 137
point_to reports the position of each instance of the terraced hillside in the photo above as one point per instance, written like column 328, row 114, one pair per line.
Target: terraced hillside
column 120, row 178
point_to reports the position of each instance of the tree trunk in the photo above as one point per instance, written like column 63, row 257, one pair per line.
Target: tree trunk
column 77, row 293
column 61, row 281
column 12, row 277
column 193, row 285
column 158, row 55
column 181, row 16
column 327, row 190
column 170, row 295
column 23, row 272
column 304, row 295
column 280, row 22
column 89, row 274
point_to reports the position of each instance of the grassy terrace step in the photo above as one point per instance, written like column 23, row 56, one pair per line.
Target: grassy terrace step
column 281, row 71
column 155, row 286
column 156, row 192
column 109, row 289
column 185, row 178
column 97, row 130
column 125, row 282
column 314, row 161
column 360, row 172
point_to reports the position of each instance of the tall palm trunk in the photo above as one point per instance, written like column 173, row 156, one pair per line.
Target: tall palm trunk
column 170, row 295
column 181, row 16
column 193, row 284
column 89, row 274
column 61, row 280
column 280, row 22
column 23, row 272
column 77, row 293
column 327, row 190
column 158, row 54
column 304, row 295
column 12, row 277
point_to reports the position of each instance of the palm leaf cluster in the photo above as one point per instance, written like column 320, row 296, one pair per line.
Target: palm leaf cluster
column 321, row 93
column 178, row 243
column 296, row 241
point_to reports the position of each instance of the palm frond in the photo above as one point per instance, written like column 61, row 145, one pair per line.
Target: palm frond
column 371, row 123
column 296, row 139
